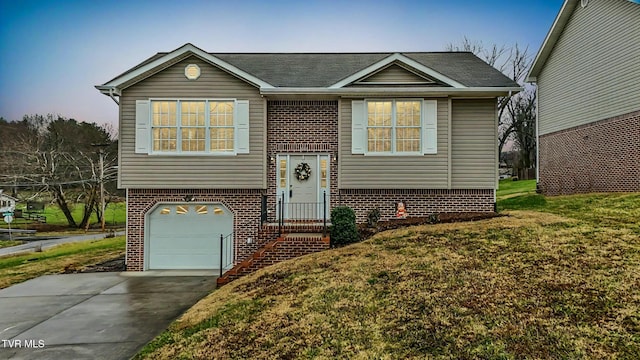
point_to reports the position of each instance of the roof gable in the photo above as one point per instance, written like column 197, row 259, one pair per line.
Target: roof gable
column 552, row 38
column 396, row 74
column 557, row 29
column 162, row 61
column 396, row 58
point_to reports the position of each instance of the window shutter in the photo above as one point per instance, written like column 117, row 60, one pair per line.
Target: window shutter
column 242, row 126
column 143, row 119
column 358, row 127
column 430, row 126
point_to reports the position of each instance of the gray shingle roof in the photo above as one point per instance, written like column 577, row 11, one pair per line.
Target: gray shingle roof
column 325, row 69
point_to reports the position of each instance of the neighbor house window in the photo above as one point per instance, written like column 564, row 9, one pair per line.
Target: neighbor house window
column 193, row 126
column 394, row 126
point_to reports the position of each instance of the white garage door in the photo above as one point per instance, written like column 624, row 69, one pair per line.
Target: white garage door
column 187, row 236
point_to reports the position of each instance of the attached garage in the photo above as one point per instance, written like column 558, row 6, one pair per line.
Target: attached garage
column 187, row 236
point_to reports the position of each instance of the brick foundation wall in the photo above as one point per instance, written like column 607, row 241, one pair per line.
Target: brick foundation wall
column 302, row 126
column 418, row 202
column 245, row 205
column 599, row 157
column 290, row 248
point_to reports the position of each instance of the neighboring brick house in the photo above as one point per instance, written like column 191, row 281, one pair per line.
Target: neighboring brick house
column 227, row 145
column 588, row 77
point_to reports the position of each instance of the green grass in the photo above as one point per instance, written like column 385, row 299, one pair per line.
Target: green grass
column 509, row 188
column 561, row 282
column 115, row 215
column 18, row 268
column 610, row 209
column 9, row 243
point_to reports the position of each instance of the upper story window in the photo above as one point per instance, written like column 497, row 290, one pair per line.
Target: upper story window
column 193, row 126
column 394, row 126
column 397, row 127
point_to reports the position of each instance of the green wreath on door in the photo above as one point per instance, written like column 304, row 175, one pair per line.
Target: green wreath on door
column 303, row 171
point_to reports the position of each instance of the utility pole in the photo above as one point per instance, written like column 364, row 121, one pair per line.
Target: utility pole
column 102, row 188
column 102, row 206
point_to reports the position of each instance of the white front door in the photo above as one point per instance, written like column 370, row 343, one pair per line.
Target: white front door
column 303, row 192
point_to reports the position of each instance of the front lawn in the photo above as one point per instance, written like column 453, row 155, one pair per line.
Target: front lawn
column 508, row 188
column 115, row 214
column 18, row 268
column 563, row 282
column 9, row 243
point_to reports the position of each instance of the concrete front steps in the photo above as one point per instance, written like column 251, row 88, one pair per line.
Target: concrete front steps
column 285, row 247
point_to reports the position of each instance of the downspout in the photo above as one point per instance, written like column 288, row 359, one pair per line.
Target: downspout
column 112, row 97
column 537, row 138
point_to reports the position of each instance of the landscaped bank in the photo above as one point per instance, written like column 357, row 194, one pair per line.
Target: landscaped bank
column 529, row 285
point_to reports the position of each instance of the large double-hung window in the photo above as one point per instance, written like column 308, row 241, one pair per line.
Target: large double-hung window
column 190, row 126
column 394, row 127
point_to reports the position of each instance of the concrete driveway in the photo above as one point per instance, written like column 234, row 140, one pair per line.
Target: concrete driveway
column 94, row 315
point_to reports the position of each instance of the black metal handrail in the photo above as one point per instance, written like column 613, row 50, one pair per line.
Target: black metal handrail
column 298, row 211
column 247, row 224
column 302, row 212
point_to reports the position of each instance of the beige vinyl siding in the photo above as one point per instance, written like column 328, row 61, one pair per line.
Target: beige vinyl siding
column 474, row 142
column 394, row 74
column 392, row 172
column 184, row 171
column 593, row 72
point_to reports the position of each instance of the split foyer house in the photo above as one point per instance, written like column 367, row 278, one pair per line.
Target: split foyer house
column 217, row 147
column 588, row 77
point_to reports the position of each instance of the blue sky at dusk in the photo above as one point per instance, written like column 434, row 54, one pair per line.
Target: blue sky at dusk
column 52, row 53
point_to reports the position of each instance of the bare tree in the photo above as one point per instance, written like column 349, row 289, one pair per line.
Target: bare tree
column 512, row 61
column 523, row 112
column 53, row 154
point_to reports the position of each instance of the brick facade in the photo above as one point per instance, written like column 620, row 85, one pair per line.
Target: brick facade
column 294, row 127
column 301, row 126
column 418, row 202
column 283, row 248
column 602, row 156
column 244, row 204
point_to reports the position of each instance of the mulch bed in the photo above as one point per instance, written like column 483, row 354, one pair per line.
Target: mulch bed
column 367, row 232
column 113, row 265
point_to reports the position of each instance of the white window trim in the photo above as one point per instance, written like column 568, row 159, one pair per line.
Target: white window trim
column 207, row 127
column 393, row 128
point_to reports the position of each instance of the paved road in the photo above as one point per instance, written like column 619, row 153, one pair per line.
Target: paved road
column 31, row 245
column 93, row 315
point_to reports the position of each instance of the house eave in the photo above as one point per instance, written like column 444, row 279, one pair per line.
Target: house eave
column 125, row 79
column 108, row 90
column 550, row 40
column 395, row 91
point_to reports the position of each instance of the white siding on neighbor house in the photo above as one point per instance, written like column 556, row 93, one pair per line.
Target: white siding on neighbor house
column 593, row 72
column 185, row 171
column 474, row 144
column 358, row 171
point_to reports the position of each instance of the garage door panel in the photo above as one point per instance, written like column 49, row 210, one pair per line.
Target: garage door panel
column 188, row 236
